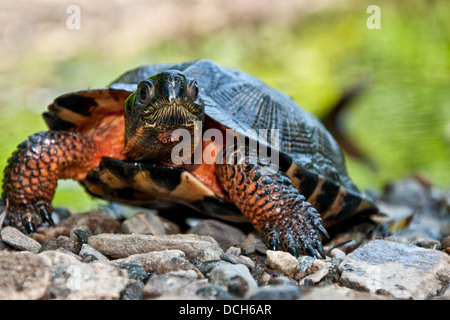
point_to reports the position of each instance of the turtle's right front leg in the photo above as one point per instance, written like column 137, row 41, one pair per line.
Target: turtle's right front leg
column 31, row 176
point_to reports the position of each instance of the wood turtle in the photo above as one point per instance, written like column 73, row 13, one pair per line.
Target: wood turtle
column 119, row 143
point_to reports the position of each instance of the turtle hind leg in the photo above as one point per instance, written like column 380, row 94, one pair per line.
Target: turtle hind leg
column 31, row 175
column 274, row 207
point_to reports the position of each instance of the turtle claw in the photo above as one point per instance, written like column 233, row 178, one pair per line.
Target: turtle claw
column 45, row 211
column 323, row 231
column 30, row 227
column 319, row 248
column 273, row 244
column 293, row 250
column 310, row 250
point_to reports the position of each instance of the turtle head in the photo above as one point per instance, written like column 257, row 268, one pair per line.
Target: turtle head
column 161, row 104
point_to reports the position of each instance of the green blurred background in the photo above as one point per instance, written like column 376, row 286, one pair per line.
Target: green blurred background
column 311, row 50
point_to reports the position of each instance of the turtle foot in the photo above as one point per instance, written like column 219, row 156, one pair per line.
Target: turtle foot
column 302, row 232
column 26, row 218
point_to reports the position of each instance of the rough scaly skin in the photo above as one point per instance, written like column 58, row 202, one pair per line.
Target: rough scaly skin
column 274, row 207
column 31, row 176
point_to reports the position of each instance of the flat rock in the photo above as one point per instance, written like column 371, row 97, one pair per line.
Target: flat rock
column 23, row 276
column 401, row 270
column 18, row 240
column 196, row 248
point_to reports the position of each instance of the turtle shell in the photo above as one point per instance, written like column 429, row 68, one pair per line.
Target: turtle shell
column 309, row 155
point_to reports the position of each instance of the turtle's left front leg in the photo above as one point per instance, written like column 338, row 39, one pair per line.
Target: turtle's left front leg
column 274, row 207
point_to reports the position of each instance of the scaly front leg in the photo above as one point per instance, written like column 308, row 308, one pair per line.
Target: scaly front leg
column 274, row 207
column 31, row 176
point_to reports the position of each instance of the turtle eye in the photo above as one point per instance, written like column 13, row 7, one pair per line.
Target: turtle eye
column 145, row 91
column 192, row 89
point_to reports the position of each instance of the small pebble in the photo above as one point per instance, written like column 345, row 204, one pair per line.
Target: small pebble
column 135, row 271
column 207, row 266
column 236, row 277
column 282, row 261
column 81, row 236
column 446, row 243
column 179, row 266
column 87, row 250
column 337, row 253
column 133, row 291
column 62, row 242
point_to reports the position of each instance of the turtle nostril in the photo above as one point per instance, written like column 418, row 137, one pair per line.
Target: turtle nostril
column 173, row 80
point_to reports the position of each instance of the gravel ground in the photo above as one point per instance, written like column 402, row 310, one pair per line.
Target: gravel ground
column 94, row 255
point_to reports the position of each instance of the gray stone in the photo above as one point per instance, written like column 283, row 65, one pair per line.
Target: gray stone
column 223, row 233
column 18, row 240
column 277, row 292
column 446, row 244
column 214, row 292
column 196, row 248
column 207, row 266
column 151, row 260
column 87, row 250
column 149, row 223
column 236, row 277
column 320, row 269
column 169, row 286
column 62, row 242
column 426, row 243
column 233, row 255
column 135, row 271
column 335, row 292
column 179, row 266
column 74, row 280
column 337, row 253
column 133, row 291
column 401, row 270
column 23, row 276
column 95, row 222
column 253, row 243
column 236, row 251
column 80, row 234
column 238, row 260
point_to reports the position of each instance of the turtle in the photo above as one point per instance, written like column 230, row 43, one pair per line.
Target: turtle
column 136, row 141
